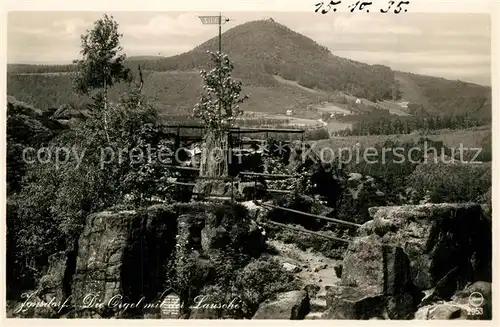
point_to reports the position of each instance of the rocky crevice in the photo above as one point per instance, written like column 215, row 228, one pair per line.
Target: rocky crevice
column 407, row 252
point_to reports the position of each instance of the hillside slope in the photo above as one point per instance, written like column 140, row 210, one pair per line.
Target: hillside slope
column 441, row 96
column 262, row 51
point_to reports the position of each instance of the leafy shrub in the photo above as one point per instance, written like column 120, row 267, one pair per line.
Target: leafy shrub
column 191, row 273
column 26, row 127
column 316, row 134
column 452, row 182
column 56, row 199
column 260, row 280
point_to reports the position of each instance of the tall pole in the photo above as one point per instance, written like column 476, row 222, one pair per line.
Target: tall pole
column 220, row 65
column 217, row 20
column 220, row 32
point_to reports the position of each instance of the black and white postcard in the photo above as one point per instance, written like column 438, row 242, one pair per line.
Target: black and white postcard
column 250, row 161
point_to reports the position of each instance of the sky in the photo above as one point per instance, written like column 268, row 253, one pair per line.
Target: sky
column 450, row 45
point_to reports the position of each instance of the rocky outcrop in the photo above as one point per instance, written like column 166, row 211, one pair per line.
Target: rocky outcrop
column 473, row 303
column 407, row 250
column 360, row 192
column 207, row 188
column 119, row 265
column 213, row 228
column 293, row 305
column 451, row 241
column 215, row 236
column 121, row 260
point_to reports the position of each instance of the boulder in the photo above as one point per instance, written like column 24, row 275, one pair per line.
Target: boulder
column 312, row 290
column 293, row 305
column 451, row 241
column 205, row 188
column 249, row 191
column 291, row 268
column 227, row 224
column 346, row 302
column 441, row 311
column 478, row 298
column 406, row 250
column 472, row 303
column 52, row 296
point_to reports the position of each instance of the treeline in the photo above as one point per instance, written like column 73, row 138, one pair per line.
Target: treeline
column 380, row 123
column 454, row 97
column 39, row 69
column 45, row 91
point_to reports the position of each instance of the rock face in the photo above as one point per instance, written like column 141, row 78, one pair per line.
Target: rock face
column 452, row 240
column 121, row 258
column 292, row 305
column 120, row 261
column 406, row 250
column 206, row 234
column 442, row 311
column 248, row 191
column 205, row 188
column 354, row 303
column 214, row 228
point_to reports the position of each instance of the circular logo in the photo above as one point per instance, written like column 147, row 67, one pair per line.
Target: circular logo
column 476, row 299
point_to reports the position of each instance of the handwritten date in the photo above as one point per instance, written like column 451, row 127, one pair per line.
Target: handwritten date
column 324, row 8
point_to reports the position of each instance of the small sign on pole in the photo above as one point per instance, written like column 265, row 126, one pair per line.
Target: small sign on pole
column 210, row 19
column 213, row 20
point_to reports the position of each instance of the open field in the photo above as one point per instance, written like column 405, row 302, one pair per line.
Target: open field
column 288, row 120
column 335, row 126
column 294, row 83
column 473, row 137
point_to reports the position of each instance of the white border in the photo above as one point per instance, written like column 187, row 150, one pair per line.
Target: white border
column 464, row 6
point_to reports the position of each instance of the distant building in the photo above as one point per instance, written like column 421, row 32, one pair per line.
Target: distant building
column 404, row 104
column 358, row 101
column 289, row 112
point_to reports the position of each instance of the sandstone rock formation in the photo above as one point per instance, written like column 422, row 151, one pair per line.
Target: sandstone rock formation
column 407, row 250
column 292, row 305
column 122, row 256
column 120, row 261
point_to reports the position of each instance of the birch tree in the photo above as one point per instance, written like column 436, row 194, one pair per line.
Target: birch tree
column 102, row 64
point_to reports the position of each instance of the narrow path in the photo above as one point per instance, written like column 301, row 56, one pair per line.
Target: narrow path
column 311, row 268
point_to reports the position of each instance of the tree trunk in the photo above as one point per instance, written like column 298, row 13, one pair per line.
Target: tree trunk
column 106, row 110
column 214, row 155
